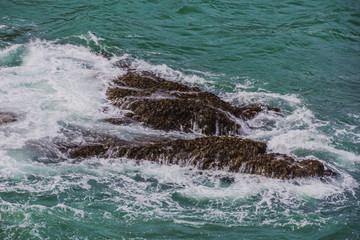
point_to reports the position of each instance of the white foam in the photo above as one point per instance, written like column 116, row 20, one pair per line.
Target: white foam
column 55, row 82
column 293, row 129
column 9, row 167
column 6, row 51
column 147, row 190
column 94, row 38
column 77, row 212
column 248, row 83
column 205, row 73
column 356, row 116
column 167, row 72
column 297, row 130
column 259, row 96
column 91, row 37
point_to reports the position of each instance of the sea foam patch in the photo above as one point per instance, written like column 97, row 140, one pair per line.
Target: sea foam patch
column 54, row 83
column 167, row 72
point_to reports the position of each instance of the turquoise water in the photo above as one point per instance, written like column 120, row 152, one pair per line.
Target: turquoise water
column 300, row 56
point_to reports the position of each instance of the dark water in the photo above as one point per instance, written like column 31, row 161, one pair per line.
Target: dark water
column 300, row 56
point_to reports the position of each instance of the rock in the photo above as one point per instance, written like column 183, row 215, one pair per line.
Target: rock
column 213, row 153
column 120, row 121
column 6, row 117
column 168, row 106
column 89, row 151
column 77, row 142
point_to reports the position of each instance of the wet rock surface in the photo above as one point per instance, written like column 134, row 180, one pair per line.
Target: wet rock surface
column 7, row 117
column 231, row 154
column 167, row 105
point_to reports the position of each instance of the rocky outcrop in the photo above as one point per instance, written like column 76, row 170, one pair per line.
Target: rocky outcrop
column 167, row 105
column 6, row 117
column 212, row 153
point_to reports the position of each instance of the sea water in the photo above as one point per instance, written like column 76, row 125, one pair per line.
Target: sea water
column 57, row 59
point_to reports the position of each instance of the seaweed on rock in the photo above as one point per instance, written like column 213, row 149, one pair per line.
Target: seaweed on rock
column 225, row 153
column 167, row 105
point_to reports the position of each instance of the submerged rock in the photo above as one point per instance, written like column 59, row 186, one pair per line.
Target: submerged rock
column 168, row 105
column 212, row 153
column 6, row 117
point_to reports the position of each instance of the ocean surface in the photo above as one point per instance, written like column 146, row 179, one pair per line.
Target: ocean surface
column 301, row 56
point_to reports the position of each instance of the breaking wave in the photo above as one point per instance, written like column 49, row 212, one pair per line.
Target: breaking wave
column 52, row 86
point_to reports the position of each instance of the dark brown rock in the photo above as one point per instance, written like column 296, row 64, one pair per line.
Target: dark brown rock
column 168, row 105
column 6, row 117
column 184, row 115
column 89, row 151
column 121, row 120
column 282, row 166
column 213, row 153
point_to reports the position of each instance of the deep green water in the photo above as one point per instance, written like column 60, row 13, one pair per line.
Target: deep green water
column 300, row 56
